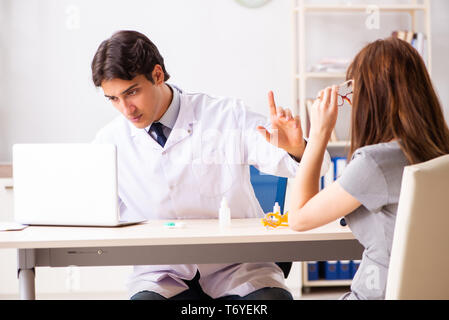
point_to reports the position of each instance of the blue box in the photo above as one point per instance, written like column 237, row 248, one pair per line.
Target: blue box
column 354, row 267
column 331, row 270
column 345, row 272
column 339, row 166
column 312, row 271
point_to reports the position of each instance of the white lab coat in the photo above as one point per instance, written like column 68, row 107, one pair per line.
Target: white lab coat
column 206, row 157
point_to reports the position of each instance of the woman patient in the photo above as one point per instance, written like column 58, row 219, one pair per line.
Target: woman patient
column 397, row 120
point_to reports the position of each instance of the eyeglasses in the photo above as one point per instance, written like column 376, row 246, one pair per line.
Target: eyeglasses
column 345, row 92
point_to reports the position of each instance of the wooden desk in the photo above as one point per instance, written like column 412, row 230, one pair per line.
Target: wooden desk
column 200, row 241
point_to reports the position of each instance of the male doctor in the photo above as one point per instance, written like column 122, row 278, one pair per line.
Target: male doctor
column 179, row 154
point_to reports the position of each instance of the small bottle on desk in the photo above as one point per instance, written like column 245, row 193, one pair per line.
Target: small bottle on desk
column 224, row 214
column 276, row 208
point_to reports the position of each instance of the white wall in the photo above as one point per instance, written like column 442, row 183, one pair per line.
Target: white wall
column 440, row 47
column 216, row 47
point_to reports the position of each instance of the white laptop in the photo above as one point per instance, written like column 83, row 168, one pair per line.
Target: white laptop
column 66, row 184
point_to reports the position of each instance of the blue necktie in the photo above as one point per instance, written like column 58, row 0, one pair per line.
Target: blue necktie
column 160, row 137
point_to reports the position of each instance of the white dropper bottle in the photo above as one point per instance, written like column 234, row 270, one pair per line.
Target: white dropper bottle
column 276, row 208
column 224, row 214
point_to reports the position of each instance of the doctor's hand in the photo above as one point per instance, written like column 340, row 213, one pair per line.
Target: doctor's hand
column 286, row 131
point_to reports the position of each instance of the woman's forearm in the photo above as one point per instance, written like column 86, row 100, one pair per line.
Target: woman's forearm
column 306, row 183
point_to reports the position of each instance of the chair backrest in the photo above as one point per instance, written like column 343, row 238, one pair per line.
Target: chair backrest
column 268, row 189
column 419, row 265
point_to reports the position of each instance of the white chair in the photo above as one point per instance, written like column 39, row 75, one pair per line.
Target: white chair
column 419, row 265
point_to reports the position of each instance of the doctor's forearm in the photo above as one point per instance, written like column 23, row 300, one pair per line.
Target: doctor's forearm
column 306, row 183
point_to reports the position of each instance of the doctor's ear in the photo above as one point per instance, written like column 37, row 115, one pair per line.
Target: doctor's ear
column 158, row 75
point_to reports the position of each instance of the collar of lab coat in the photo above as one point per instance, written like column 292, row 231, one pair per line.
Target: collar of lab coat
column 181, row 130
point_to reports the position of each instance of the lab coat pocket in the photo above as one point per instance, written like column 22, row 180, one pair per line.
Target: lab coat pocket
column 213, row 179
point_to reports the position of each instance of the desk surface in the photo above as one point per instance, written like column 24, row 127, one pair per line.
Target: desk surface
column 155, row 233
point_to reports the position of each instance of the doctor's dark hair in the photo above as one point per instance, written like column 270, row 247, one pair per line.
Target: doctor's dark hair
column 125, row 55
column 394, row 99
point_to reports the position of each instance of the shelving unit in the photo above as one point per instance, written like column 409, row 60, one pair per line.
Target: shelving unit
column 301, row 75
column 307, row 284
column 299, row 10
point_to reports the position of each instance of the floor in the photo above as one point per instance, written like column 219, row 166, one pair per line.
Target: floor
column 321, row 293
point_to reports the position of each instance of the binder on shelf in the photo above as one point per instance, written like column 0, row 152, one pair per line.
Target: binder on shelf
column 312, row 271
column 416, row 39
column 336, row 168
column 354, row 267
column 328, row 178
column 344, row 270
column 339, row 166
column 331, row 270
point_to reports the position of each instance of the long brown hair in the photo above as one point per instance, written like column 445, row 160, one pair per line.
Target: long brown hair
column 394, row 99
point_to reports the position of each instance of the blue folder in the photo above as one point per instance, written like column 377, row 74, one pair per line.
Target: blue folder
column 331, row 270
column 354, row 267
column 345, row 270
column 312, row 271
